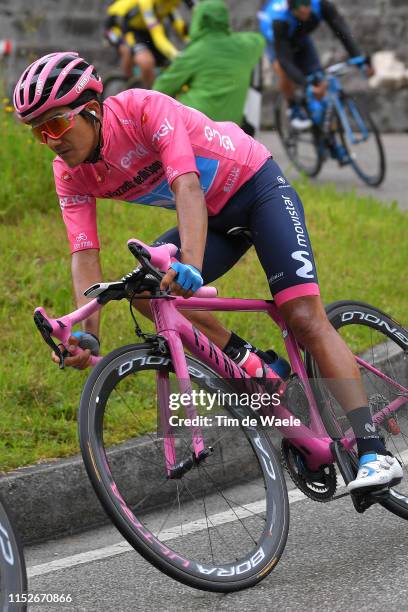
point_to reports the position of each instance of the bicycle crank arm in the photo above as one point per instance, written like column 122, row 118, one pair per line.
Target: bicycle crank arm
column 345, row 461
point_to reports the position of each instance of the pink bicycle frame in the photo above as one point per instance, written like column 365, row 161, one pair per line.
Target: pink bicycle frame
column 313, row 441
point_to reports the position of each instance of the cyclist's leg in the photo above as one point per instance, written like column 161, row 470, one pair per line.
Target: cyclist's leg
column 221, row 254
column 283, row 246
column 228, row 238
column 307, row 57
column 147, row 57
column 146, row 62
column 126, row 63
column 285, row 85
column 144, row 58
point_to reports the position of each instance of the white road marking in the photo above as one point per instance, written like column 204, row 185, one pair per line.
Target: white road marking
column 194, row 526
column 170, row 534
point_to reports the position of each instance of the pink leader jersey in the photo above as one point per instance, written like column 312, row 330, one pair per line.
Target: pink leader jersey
column 149, row 140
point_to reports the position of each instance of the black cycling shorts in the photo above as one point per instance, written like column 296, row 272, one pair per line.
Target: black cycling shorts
column 267, row 213
column 143, row 41
column 305, row 55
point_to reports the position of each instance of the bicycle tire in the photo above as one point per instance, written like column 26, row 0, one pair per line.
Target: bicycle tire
column 99, row 464
column 13, row 576
column 290, row 140
column 389, row 355
column 375, row 180
column 116, row 83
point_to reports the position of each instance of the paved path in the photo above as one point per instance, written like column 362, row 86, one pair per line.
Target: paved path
column 335, row 560
column 395, row 186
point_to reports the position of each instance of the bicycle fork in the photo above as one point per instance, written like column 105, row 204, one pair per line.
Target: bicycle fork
column 164, row 318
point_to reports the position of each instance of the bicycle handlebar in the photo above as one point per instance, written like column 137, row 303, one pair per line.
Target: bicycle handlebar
column 359, row 61
column 161, row 257
column 337, row 69
column 154, row 262
column 61, row 328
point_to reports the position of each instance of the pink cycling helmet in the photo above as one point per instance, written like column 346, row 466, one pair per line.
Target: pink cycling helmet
column 57, row 79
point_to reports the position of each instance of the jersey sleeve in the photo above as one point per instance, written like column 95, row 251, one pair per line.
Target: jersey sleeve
column 164, row 132
column 339, row 27
column 179, row 26
column 78, row 210
column 156, row 29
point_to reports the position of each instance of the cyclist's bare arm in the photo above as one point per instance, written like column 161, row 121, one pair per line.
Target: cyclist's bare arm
column 192, row 220
column 86, row 271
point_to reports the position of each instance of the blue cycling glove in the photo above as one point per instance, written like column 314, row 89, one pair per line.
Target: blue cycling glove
column 188, row 276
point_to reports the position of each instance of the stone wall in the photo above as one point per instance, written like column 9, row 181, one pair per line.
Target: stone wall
column 41, row 26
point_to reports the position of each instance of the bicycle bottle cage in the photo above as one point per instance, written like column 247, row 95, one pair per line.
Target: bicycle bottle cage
column 45, row 330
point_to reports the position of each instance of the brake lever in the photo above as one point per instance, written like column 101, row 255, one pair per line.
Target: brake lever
column 45, row 330
column 144, row 257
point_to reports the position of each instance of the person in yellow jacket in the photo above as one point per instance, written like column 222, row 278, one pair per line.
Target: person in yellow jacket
column 136, row 28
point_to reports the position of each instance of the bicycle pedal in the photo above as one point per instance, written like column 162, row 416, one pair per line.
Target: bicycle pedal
column 379, row 492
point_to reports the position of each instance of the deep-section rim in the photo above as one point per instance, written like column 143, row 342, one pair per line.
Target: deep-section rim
column 94, row 464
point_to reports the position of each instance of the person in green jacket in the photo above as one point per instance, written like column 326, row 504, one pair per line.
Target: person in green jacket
column 213, row 73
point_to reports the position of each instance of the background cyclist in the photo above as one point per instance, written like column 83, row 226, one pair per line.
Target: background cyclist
column 213, row 73
column 140, row 27
column 287, row 25
column 144, row 147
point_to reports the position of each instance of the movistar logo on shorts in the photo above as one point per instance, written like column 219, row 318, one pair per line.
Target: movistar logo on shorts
column 306, row 271
column 297, row 222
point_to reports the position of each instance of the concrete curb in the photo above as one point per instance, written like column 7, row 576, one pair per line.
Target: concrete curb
column 56, row 499
column 51, row 500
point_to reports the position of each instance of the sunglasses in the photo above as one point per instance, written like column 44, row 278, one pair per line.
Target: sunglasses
column 57, row 126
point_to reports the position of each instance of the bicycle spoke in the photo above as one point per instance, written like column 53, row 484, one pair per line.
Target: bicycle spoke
column 231, row 508
column 208, row 515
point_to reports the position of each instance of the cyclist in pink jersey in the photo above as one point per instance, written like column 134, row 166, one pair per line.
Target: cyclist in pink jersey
column 144, row 147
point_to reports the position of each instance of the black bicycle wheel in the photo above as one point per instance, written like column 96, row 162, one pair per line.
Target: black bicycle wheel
column 223, row 524
column 302, row 147
column 13, row 577
column 116, row 83
column 362, row 142
column 382, row 343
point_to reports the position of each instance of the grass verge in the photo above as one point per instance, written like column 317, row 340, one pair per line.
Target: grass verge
column 360, row 249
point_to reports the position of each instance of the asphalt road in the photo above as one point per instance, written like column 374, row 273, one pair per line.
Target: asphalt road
column 335, row 559
column 394, row 188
